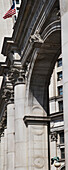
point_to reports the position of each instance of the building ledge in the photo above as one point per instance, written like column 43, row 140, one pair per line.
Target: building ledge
column 61, row 160
column 41, row 120
column 57, row 116
column 56, row 97
column 36, row 120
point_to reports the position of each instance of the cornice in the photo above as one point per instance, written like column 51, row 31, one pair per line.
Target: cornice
column 8, row 46
column 29, row 19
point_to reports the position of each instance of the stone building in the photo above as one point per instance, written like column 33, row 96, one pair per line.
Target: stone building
column 31, row 134
column 57, row 147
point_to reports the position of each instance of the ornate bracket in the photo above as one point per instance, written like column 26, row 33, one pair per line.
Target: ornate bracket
column 36, row 37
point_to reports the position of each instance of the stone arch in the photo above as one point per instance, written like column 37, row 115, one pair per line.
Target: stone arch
column 44, row 57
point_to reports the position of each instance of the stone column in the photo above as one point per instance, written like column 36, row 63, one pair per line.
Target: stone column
column 20, row 129
column 10, row 122
column 2, row 153
column 10, row 136
column 64, row 39
column 5, row 149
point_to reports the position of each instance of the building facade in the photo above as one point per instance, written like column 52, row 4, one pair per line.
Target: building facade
column 30, row 134
column 57, row 146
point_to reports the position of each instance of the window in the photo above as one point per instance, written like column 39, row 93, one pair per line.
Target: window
column 60, row 106
column 60, row 90
column 18, row 9
column 59, row 62
column 15, row 17
column 62, row 138
column 17, row 1
column 59, row 76
column 62, row 153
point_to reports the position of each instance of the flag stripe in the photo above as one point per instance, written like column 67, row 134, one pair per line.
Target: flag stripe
column 10, row 12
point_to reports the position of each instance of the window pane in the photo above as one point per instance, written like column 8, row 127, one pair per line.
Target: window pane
column 59, row 62
column 18, row 9
column 59, row 76
column 60, row 106
column 17, row 1
column 15, row 17
column 60, row 90
column 62, row 153
column 61, row 137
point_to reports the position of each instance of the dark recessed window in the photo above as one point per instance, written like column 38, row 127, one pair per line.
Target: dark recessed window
column 59, row 62
column 60, row 90
column 62, row 138
column 62, row 153
column 15, row 17
column 17, row 1
column 60, row 106
column 18, row 9
column 59, row 76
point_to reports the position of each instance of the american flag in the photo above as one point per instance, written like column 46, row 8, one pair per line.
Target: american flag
column 11, row 11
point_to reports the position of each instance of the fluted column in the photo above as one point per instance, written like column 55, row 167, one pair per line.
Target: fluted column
column 64, row 38
column 20, row 129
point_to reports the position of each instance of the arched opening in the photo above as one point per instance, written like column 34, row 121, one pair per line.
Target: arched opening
column 44, row 59
column 44, row 62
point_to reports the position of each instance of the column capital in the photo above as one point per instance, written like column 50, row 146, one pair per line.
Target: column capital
column 8, row 90
column 21, row 77
column 17, row 75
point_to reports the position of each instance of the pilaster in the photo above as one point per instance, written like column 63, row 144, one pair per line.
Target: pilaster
column 37, row 145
